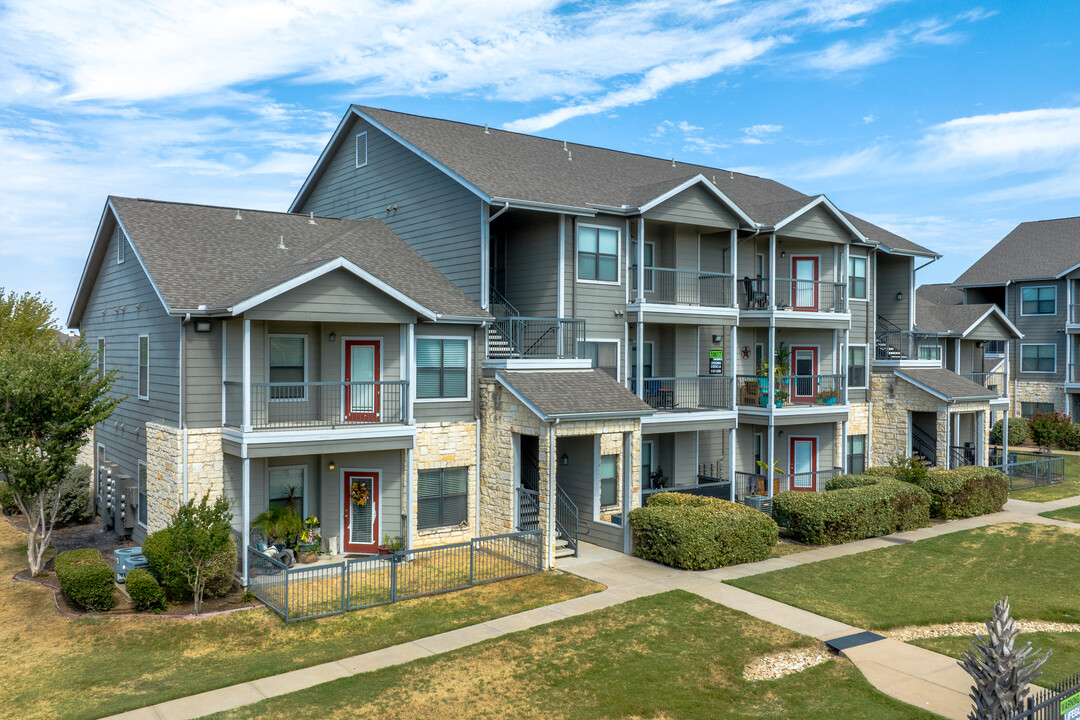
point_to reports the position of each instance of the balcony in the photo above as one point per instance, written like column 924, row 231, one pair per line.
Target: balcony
column 992, row 381
column 516, row 337
column 1074, row 316
column 322, row 405
column 668, row 286
column 822, row 296
column 792, row 391
column 687, row 394
column 893, row 346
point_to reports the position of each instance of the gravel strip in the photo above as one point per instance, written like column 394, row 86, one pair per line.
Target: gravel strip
column 919, row 632
column 777, row 665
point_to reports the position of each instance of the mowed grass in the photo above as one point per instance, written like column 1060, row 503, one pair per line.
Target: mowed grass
column 1063, row 663
column 945, row 579
column 670, row 656
column 1069, row 514
column 56, row 667
column 1046, row 493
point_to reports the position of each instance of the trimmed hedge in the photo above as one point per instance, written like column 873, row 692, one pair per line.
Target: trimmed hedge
column 693, row 532
column 144, row 590
column 1018, row 431
column 85, row 579
column 880, row 471
column 842, row 482
column 853, row 513
column 170, row 568
column 966, row 491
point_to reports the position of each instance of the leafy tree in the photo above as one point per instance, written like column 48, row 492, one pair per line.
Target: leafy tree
column 1048, row 429
column 201, row 534
column 50, row 395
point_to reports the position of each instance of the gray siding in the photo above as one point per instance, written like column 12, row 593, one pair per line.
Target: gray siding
column 1038, row 329
column 817, row 224
column 338, row 296
column 532, row 261
column 694, row 206
column 593, row 302
column 202, row 373
column 894, row 276
column 435, row 214
column 458, row 410
column 127, row 285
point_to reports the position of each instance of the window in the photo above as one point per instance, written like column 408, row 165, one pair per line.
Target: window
column 857, row 278
column 759, row 450
column 286, row 487
column 1038, row 358
column 646, row 361
column 1038, row 300
column 361, row 150
column 995, row 348
column 598, row 254
column 288, row 364
column 646, row 464
column 442, row 497
column 142, row 494
column 442, row 368
column 930, row 352
column 1028, row 409
column 604, row 355
column 101, row 357
column 144, row 367
column 121, row 245
column 857, row 366
column 609, row 480
column 856, row 454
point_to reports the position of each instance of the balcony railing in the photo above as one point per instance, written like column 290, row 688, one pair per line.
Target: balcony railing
column 749, row 483
column 283, row 406
column 802, row 295
column 1072, row 373
column 668, row 286
column 1074, row 314
column 992, row 381
column 686, row 394
column 753, row 390
column 531, row 337
column 906, row 345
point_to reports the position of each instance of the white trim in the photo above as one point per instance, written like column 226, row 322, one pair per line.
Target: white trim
column 618, row 254
column 688, row 417
column 303, row 487
column 792, row 439
column 138, row 366
column 618, row 350
column 866, row 278
column 121, row 243
column 866, row 366
column 376, row 407
column 138, row 496
column 376, row 521
column 816, row 281
column 536, row 363
column 468, row 368
column 699, row 178
column 353, row 432
column 342, row 264
column 994, row 310
column 357, row 148
column 1038, row 372
column 269, row 337
column 1038, row 287
column 835, row 211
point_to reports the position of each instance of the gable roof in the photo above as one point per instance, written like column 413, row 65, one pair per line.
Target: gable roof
column 501, row 166
column 572, row 394
column 945, row 384
column 202, row 259
column 1033, row 250
column 951, row 318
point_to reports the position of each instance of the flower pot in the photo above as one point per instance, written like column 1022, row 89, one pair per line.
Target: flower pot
column 830, row 401
column 383, row 550
column 306, row 558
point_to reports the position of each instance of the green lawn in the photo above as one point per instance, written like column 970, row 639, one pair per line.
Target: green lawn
column 945, row 579
column 55, row 667
column 1069, row 514
column 1061, row 665
column 1046, row 493
column 669, row 656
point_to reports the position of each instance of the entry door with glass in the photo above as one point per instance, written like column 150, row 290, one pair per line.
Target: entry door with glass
column 804, row 365
column 803, row 454
column 361, row 511
column 804, row 274
column 362, row 371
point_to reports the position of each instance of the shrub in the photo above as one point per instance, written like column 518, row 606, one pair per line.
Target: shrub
column 1048, row 429
column 700, row 533
column 85, row 579
column 75, row 508
column 842, row 482
column 1018, row 431
column 145, row 591
column 880, row 471
column 1070, row 440
column 966, row 492
column 854, row 513
column 170, row 568
column 908, row 469
column 7, row 499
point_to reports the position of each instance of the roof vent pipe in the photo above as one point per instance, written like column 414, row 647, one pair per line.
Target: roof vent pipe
column 281, row 243
column 311, row 218
column 238, row 214
column 672, row 162
column 486, row 131
column 731, row 175
column 565, row 149
column 570, row 155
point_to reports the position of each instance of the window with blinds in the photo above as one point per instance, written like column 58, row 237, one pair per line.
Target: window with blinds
column 442, row 497
column 598, row 254
column 609, row 480
column 442, row 368
column 288, row 355
column 286, row 488
column 604, row 355
column 144, row 367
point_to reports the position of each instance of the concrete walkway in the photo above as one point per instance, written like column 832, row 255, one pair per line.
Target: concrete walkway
column 911, row 674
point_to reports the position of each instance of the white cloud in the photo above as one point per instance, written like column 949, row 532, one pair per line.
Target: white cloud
column 868, row 118
column 689, row 137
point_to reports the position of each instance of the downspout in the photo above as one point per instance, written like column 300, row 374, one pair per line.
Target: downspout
column 181, row 417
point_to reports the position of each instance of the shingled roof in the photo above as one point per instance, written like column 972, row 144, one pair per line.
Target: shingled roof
column 567, row 394
column 945, row 384
column 1033, row 250
column 513, row 166
column 938, row 309
column 202, row 255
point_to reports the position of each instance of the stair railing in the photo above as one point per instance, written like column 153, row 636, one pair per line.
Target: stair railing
column 566, row 519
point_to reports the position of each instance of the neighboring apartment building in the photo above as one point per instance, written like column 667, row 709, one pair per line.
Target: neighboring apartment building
column 482, row 331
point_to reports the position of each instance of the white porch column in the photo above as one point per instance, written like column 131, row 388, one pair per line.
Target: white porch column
column 410, row 475
column 844, row 450
column 772, row 271
column 224, row 370
column 845, row 358
column 639, row 355
column 408, row 365
column 771, row 381
column 731, row 365
column 731, row 463
column 734, row 266
column 770, row 459
column 641, row 261
column 247, row 375
column 245, row 512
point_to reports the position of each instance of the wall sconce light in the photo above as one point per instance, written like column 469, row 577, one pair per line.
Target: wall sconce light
column 331, row 466
column 899, row 296
column 783, row 254
column 565, row 459
column 202, row 326
column 781, row 433
column 333, row 337
column 718, row 339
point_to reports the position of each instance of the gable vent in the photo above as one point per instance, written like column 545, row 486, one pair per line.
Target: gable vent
column 361, row 149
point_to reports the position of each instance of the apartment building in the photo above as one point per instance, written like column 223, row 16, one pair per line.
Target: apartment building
column 476, row 331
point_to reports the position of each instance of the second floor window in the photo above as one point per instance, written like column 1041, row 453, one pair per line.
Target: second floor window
column 604, row 356
column 857, row 278
column 442, row 368
column 857, row 366
column 1038, row 358
column 598, row 254
column 144, row 367
column 288, row 356
column 995, row 348
column 1038, row 300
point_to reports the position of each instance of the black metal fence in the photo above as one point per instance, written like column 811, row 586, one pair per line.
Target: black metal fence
column 1027, row 470
column 303, row 593
column 1059, row 703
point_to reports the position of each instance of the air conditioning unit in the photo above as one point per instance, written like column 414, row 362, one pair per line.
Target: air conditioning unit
column 127, row 559
column 759, row 502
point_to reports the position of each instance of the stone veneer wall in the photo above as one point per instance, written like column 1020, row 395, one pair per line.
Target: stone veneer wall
column 164, row 473
column 1032, row 391
column 891, row 399
column 443, row 445
column 858, row 424
column 984, row 437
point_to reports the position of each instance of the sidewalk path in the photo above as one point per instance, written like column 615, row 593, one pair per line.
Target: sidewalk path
column 911, row 674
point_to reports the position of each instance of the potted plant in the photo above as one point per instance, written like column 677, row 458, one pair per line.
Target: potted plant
column 281, row 526
column 391, row 544
column 307, row 550
column 827, row 397
column 656, row 477
column 762, row 477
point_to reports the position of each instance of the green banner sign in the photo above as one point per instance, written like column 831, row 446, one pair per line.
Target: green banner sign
column 1070, row 703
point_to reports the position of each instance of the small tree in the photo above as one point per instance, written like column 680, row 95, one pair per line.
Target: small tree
column 50, row 395
column 1000, row 671
column 201, row 534
column 1048, row 429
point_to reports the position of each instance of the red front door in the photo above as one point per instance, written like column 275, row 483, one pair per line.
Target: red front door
column 362, row 371
column 804, row 289
column 802, row 452
column 804, row 367
column 361, row 511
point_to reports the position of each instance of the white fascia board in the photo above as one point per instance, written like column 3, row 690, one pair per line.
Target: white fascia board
column 699, row 178
column 324, row 157
column 995, row 310
column 537, row 205
column 340, row 263
column 86, row 266
column 935, row 393
column 835, row 211
column 1063, row 273
column 524, row 400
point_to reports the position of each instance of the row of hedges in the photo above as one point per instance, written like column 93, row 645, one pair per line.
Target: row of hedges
column 85, row 579
column 693, row 532
column 853, row 511
column 958, row 493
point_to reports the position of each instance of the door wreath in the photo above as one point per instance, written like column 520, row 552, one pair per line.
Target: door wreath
column 360, row 493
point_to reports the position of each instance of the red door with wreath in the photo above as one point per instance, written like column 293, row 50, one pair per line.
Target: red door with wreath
column 361, row 511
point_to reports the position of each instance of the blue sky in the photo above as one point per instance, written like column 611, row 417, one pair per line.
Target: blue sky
column 947, row 122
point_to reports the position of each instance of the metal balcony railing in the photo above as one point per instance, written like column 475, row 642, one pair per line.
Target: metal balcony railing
column 992, row 381
column 669, row 286
column 906, row 345
column 281, row 406
column 802, row 295
column 531, row 337
column 1074, row 314
column 753, row 390
column 686, row 394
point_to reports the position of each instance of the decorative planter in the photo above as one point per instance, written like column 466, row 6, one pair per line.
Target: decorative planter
column 383, row 550
column 830, row 401
column 306, row 558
